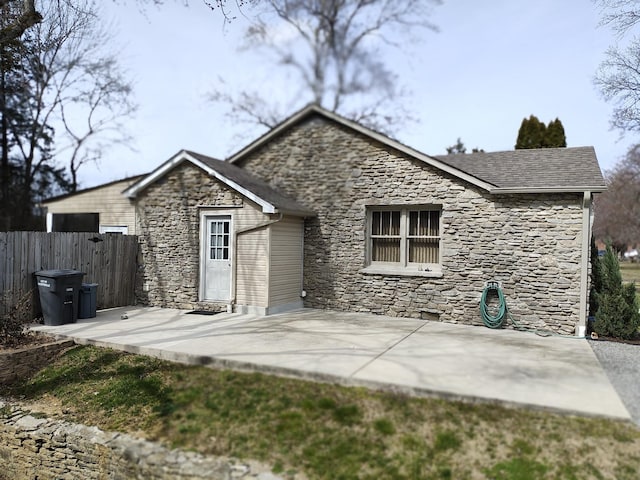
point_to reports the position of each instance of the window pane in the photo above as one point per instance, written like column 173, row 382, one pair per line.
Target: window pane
column 376, row 223
column 424, row 223
column 434, row 223
column 395, row 224
column 424, row 250
column 413, row 223
column 385, row 250
column 385, row 223
column 225, row 254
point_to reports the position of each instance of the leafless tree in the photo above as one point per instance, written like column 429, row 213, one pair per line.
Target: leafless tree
column 618, row 76
column 621, row 15
column 617, row 211
column 61, row 98
column 74, row 82
column 333, row 49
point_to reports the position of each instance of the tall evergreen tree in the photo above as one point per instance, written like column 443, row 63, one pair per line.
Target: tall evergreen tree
column 596, row 278
column 25, row 179
column 14, row 103
column 554, row 135
column 617, row 312
column 531, row 133
column 534, row 134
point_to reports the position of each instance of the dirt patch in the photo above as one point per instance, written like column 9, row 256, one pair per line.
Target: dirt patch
column 632, row 341
column 29, row 339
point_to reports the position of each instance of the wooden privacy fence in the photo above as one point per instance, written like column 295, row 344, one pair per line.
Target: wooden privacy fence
column 108, row 260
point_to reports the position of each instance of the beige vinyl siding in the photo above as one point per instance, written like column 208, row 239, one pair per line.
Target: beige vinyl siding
column 251, row 256
column 252, row 269
column 114, row 208
column 285, row 284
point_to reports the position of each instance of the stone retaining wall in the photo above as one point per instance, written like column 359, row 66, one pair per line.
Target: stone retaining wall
column 23, row 362
column 47, row 449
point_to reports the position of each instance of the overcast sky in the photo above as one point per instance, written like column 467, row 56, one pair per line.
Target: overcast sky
column 491, row 64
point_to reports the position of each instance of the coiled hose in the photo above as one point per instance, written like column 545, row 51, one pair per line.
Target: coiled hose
column 495, row 320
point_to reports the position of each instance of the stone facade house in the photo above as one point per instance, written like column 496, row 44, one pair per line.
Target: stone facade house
column 213, row 237
column 325, row 213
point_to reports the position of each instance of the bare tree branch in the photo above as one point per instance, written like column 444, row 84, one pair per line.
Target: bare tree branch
column 72, row 81
column 332, row 48
column 617, row 211
column 620, row 15
column 618, row 76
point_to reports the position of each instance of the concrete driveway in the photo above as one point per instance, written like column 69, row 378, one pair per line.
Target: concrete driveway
column 401, row 354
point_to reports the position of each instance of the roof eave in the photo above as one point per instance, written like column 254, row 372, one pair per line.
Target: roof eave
column 296, row 213
column 133, row 191
column 137, row 187
column 569, row 189
column 266, row 206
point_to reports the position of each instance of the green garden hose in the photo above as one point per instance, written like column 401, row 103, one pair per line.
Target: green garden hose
column 495, row 320
column 501, row 312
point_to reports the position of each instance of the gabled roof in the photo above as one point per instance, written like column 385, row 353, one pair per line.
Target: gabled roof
column 537, row 169
column 516, row 171
column 234, row 177
column 86, row 190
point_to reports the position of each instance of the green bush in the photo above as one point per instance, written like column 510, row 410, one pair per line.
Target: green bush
column 596, row 279
column 617, row 307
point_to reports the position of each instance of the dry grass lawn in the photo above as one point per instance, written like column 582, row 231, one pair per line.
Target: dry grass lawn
column 321, row 431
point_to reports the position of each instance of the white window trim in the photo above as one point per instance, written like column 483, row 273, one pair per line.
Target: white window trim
column 204, row 214
column 123, row 229
column 404, row 267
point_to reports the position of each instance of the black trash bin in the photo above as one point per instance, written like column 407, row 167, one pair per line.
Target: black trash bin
column 59, row 293
column 88, row 300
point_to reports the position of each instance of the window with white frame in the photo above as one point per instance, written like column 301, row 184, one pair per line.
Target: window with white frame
column 404, row 237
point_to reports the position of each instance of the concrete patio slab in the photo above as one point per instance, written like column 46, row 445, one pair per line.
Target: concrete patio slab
column 410, row 355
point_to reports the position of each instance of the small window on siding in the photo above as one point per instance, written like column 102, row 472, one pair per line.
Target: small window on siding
column 406, row 237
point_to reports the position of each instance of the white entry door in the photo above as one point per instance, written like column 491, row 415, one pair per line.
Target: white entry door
column 217, row 258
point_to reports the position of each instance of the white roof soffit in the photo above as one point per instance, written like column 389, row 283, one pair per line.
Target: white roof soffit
column 578, row 189
column 183, row 155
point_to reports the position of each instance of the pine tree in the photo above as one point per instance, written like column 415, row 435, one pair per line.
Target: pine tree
column 596, row 278
column 457, row 148
column 534, row 134
column 531, row 133
column 617, row 307
column 554, row 135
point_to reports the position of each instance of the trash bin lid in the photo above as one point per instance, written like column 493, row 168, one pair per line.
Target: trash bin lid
column 59, row 273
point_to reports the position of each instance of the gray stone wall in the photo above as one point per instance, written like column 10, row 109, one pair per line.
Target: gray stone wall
column 47, row 449
column 169, row 225
column 22, row 362
column 530, row 243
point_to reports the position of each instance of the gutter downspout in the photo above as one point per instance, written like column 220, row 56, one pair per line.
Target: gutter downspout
column 581, row 326
column 234, row 272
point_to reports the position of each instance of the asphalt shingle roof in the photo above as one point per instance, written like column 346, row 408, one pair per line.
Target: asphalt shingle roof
column 540, row 168
column 253, row 184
